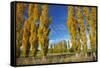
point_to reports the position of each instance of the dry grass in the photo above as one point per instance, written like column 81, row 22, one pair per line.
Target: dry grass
column 54, row 59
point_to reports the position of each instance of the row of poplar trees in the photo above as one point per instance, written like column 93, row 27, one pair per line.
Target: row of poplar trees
column 29, row 33
column 77, row 29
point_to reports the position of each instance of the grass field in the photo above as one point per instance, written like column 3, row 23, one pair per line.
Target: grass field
column 54, row 58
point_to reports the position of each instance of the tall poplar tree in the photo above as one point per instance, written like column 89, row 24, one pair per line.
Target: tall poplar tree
column 33, row 30
column 83, row 37
column 43, row 31
column 71, row 23
column 93, row 29
column 19, row 21
column 91, row 25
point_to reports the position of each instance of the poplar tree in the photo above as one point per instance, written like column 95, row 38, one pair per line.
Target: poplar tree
column 33, row 30
column 93, row 29
column 91, row 25
column 71, row 23
column 19, row 21
column 26, row 35
column 80, row 20
column 26, row 31
column 43, row 31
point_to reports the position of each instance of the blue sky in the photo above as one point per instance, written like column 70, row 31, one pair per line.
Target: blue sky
column 59, row 30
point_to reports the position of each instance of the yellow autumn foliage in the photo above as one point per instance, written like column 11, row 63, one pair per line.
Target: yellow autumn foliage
column 80, row 20
column 71, row 23
column 19, row 21
column 93, row 28
column 30, row 10
column 31, row 30
column 43, row 31
column 91, row 24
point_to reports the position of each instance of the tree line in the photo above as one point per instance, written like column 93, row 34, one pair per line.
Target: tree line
column 77, row 29
column 30, row 33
